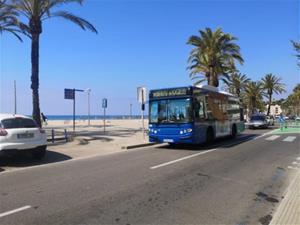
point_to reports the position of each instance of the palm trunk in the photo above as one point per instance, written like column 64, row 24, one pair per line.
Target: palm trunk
column 269, row 106
column 253, row 105
column 35, row 78
column 211, row 77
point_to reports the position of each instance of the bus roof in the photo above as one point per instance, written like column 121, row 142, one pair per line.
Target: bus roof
column 187, row 90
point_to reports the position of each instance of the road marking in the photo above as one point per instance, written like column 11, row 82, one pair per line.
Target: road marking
column 15, row 211
column 293, row 168
column 295, row 163
column 272, row 138
column 181, row 159
column 264, row 134
column 289, row 139
column 298, row 158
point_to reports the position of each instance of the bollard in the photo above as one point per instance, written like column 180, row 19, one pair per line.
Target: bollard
column 52, row 134
column 66, row 135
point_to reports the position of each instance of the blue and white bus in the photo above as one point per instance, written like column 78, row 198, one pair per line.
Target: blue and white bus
column 193, row 115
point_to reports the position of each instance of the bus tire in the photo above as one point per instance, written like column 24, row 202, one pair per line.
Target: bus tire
column 209, row 135
column 233, row 131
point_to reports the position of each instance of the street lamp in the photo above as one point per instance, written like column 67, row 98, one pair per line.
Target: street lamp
column 88, row 90
column 130, row 111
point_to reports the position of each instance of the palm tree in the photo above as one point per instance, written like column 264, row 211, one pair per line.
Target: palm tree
column 297, row 48
column 214, row 55
column 272, row 85
column 8, row 20
column 36, row 11
column 237, row 83
column 254, row 93
column 297, row 88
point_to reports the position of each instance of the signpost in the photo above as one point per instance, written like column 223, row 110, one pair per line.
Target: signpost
column 70, row 94
column 142, row 96
column 104, row 106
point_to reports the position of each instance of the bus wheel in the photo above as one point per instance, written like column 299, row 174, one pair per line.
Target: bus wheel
column 233, row 131
column 209, row 135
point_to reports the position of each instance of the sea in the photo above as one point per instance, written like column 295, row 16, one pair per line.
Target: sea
column 93, row 117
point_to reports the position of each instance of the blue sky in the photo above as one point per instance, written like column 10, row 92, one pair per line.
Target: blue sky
column 143, row 43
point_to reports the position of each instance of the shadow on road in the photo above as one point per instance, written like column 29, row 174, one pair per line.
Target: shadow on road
column 25, row 160
column 225, row 142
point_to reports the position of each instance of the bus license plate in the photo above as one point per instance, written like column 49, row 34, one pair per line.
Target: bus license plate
column 25, row 135
column 168, row 140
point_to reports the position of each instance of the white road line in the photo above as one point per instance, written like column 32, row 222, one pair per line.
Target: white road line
column 264, row 134
column 272, row 138
column 289, row 139
column 15, row 211
column 298, row 158
column 295, row 163
column 181, row 159
column 293, row 168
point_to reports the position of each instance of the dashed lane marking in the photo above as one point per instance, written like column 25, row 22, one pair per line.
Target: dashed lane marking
column 272, row 138
column 15, row 211
column 293, row 168
column 289, row 139
column 181, row 159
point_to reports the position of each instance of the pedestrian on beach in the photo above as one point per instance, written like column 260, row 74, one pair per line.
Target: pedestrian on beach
column 281, row 121
column 44, row 118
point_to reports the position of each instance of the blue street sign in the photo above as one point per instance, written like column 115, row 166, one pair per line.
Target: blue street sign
column 104, row 103
column 69, row 93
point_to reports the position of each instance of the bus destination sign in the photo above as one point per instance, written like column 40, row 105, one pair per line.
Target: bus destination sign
column 169, row 92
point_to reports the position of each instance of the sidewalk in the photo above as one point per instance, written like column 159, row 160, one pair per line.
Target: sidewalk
column 92, row 140
column 288, row 212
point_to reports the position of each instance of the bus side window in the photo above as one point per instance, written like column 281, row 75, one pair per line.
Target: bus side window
column 199, row 109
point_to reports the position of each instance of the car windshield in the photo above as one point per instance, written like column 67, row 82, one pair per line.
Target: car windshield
column 257, row 118
column 171, row 111
column 15, row 123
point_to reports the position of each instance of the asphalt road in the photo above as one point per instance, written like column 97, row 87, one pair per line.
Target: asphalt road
column 237, row 182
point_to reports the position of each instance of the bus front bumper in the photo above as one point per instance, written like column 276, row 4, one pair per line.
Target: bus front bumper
column 184, row 139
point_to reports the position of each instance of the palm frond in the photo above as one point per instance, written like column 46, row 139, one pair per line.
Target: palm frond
column 84, row 24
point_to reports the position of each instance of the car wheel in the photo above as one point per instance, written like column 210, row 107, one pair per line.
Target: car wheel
column 39, row 153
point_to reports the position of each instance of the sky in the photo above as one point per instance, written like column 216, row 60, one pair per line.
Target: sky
column 143, row 43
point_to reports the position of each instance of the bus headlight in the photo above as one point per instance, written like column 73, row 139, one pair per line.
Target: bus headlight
column 189, row 130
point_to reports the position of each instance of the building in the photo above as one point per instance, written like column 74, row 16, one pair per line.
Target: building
column 274, row 110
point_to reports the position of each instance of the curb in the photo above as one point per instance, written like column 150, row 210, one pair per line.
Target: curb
column 138, row 146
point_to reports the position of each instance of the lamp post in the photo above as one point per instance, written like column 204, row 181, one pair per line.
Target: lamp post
column 88, row 90
column 130, row 111
column 15, row 97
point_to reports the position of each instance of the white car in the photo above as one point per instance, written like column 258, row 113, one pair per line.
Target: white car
column 21, row 133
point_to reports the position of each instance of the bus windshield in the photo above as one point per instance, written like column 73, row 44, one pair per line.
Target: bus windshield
column 171, row 111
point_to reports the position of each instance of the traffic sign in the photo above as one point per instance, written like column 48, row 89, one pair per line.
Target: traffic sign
column 104, row 103
column 69, row 93
column 141, row 94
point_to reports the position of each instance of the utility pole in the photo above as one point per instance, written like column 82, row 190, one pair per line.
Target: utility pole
column 89, row 107
column 15, row 97
column 130, row 111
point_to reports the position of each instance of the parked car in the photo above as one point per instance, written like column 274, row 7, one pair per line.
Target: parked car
column 21, row 133
column 270, row 120
column 258, row 121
